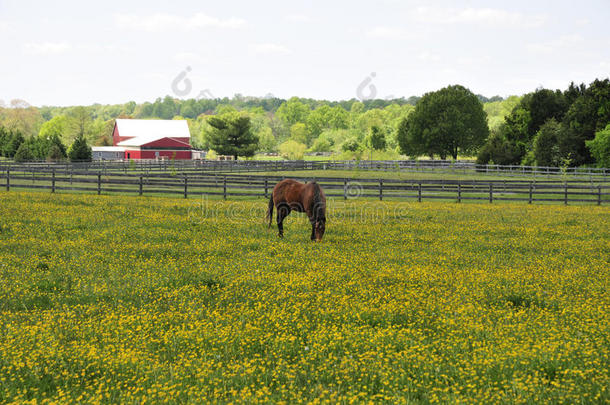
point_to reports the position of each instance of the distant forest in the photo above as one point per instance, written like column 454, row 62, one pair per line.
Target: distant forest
column 517, row 129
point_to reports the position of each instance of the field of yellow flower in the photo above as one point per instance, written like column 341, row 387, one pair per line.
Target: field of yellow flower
column 118, row 299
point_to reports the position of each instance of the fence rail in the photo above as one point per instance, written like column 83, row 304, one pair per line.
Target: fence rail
column 194, row 166
column 256, row 186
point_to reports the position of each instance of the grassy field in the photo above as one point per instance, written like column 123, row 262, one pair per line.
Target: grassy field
column 118, row 299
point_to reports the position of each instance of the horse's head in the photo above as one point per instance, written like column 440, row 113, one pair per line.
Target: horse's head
column 319, row 228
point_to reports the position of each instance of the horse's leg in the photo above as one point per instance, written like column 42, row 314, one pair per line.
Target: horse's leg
column 282, row 212
column 313, row 231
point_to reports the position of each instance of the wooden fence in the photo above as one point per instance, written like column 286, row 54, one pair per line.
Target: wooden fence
column 240, row 185
column 198, row 166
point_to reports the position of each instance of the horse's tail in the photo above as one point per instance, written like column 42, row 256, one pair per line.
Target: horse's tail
column 270, row 211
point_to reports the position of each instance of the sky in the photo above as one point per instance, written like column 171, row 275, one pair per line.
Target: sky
column 80, row 53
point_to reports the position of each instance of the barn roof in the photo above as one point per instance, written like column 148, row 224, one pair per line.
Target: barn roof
column 144, row 140
column 151, row 130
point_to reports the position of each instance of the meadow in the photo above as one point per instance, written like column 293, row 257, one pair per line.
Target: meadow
column 117, row 299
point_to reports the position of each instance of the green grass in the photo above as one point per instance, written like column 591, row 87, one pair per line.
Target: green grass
column 118, row 299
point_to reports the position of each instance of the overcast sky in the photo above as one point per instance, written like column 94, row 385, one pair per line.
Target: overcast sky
column 80, row 52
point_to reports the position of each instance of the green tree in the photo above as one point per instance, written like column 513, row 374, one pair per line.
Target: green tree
column 5, row 137
column 515, row 131
column 165, row 109
column 55, row 126
column 293, row 111
column 231, row 134
column 351, row 145
column 79, row 150
column 78, row 124
column 600, row 147
column 292, row 150
column 55, row 154
column 545, row 148
column 376, row 138
column 12, row 144
column 266, row 141
column 321, row 144
column 497, row 150
column 298, row 133
column 24, row 153
column 588, row 114
column 445, row 123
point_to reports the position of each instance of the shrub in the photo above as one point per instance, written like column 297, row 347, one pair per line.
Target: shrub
column 600, row 147
column 292, row 150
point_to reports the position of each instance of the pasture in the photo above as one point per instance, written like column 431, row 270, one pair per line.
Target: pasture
column 145, row 300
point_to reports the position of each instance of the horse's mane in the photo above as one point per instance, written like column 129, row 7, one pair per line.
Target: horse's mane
column 317, row 202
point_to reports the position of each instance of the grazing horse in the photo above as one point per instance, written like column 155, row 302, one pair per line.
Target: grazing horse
column 290, row 195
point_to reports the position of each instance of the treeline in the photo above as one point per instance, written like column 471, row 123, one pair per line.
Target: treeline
column 544, row 127
column 554, row 128
column 49, row 143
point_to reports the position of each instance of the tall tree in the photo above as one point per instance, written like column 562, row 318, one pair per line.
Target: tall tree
column 545, row 148
column 600, row 147
column 377, row 138
column 78, row 124
column 445, row 123
column 230, row 134
column 293, row 111
column 589, row 113
column 79, row 150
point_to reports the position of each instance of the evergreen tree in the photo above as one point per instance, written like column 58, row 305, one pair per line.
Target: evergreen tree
column 231, row 134
column 12, row 145
column 24, row 153
column 80, row 150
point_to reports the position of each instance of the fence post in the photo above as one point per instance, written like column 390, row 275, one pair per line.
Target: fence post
column 266, row 185
column 531, row 190
column 459, row 193
column 53, row 182
column 186, row 186
column 99, row 183
column 599, row 194
column 419, row 192
column 491, row 193
column 8, row 179
column 141, row 184
column 565, row 195
column 345, row 189
column 224, row 188
column 380, row 189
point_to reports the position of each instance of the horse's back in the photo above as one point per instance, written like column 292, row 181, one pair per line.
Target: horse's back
column 287, row 191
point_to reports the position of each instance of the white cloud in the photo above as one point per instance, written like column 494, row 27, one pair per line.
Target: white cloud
column 429, row 57
column 163, row 22
column 560, row 44
column 479, row 16
column 386, row 32
column 270, row 49
column 47, row 48
column 300, row 18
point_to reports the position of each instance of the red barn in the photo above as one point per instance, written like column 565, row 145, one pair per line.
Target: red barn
column 152, row 139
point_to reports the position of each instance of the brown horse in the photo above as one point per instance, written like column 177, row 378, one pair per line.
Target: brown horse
column 290, row 195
